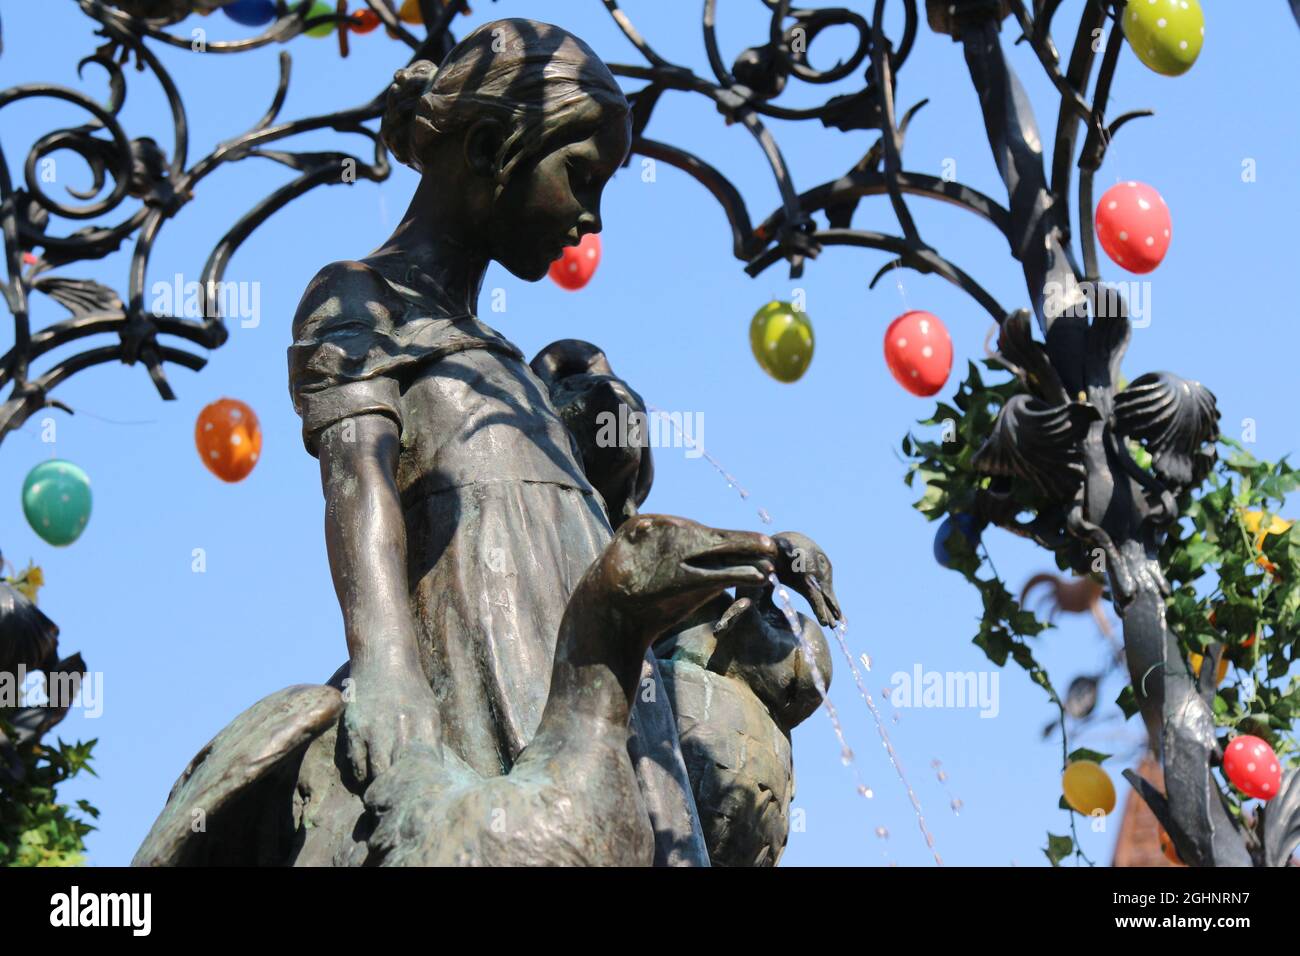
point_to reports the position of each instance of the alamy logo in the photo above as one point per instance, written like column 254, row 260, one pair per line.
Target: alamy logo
column 231, row 300
column 24, row 688
column 1111, row 299
column 946, row 689
column 633, row 429
column 134, row 910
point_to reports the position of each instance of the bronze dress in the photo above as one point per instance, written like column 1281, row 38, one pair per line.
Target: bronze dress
column 501, row 522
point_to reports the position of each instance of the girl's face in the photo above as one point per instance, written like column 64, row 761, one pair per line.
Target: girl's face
column 553, row 199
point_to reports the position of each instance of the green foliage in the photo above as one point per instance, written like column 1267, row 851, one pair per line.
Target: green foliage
column 1234, row 566
column 1232, row 563
column 1083, row 753
column 949, row 486
column 1058, row 848
column 35, row 829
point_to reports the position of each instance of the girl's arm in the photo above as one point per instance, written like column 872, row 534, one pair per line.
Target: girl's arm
column 391, row 703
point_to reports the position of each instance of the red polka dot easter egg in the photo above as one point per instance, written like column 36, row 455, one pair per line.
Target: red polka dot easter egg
column 575, row 268
column 229, row 439
column 1252, row 766
column 918, row 351
column 1133, row 226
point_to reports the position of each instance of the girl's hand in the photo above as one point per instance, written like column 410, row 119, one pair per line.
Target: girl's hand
column 391, row 707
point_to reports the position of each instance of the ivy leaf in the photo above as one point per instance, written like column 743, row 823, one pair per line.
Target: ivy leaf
column 1127, row 701
column 1083, row 753
column 1058, row 848
column 995, row 643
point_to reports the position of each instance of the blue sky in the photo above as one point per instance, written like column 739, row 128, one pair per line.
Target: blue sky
column 182, row 652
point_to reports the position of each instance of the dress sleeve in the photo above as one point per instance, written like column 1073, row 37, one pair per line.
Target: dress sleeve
column 356, row 337
column 336, row 366
column 328, row 406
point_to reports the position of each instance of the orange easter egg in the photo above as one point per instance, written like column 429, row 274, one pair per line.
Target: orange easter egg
column 229, row 439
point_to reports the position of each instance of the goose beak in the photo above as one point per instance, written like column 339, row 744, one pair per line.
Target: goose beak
column 740, row 558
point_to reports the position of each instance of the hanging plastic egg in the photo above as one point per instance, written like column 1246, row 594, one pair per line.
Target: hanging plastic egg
column 1088, row 788
column 966, row 524
column 1198, row 661
column 1166, row 35
column 410, row 12
column 56, row 501
column 577, row 264
column 250, row 13
column 781, row 338
column 918, row 351
column 1252, row 766
column 320, row 9
column 1134, row 226
column 1254, row 522
column 229, row 439
column 364, row 21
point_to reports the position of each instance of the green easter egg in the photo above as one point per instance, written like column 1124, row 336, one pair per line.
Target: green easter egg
column 1166, row 35
column 56, row 501
column 320, row 9
column 782, row 339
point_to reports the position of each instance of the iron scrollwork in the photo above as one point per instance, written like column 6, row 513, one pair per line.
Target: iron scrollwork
column 162, row 180
column 1066, row 436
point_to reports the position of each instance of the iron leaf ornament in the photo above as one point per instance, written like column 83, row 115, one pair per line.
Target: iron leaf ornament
column 1177, row 421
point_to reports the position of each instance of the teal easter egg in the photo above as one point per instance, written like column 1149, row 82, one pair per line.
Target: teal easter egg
column 1166, row 35
column 56, row 501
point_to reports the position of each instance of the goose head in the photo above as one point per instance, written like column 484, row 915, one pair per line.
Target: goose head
column 657, row 569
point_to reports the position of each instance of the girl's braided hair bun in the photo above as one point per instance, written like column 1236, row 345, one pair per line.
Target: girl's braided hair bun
column 534, row 78
column 406, row 124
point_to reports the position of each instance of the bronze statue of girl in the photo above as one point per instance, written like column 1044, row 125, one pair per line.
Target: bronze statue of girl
column 458, row 516
column 501, row 703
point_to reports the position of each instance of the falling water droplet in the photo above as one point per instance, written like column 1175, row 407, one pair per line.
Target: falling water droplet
column 882, row 833
column 884, row 692
column 792, row 621
column 894, row 717
column 865, row 791
column 841, row 631
column 729, row 478
column 954, row 802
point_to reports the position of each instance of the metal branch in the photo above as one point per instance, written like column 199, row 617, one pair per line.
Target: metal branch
column 164, row 183
column 920, row 258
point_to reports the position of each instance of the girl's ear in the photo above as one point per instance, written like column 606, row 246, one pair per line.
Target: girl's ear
column 483, row 141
